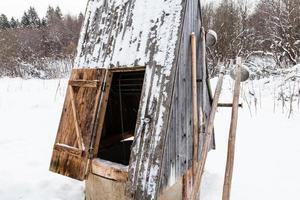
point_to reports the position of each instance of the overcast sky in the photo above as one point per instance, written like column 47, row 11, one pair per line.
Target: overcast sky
column 16, row 8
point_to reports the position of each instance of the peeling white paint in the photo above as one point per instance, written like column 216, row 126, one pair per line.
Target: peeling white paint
column 153, row 22
column 143, row 33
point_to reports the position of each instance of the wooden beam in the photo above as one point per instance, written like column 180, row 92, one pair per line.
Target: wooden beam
column 208, row 137
column 66, row 148
column 128, row 69
column 101, row 115
column 110, row 170
column 76, row 121
column 85, row 83
column 232, row 134
column 195, row 102
column 94, row 118
column 93, row 130
column 229, row 105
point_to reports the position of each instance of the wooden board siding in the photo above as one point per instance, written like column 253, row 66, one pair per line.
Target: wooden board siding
column 110, row 170
column 150, row 136
column 63, row 160
column 178, row 153
column 129, row 33
column 99, row 188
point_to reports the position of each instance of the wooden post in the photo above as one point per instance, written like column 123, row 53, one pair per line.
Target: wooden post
column 203, row 65
column 194, row 102
column 208, row 134
column 187, row 183
column 232, row 134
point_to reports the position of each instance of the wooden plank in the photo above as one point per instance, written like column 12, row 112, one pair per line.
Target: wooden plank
column 101, row 117
column 66, row 148
column 204, row 93
column 187, row 185
column 93, row 128
column 232, row 134
column 85, row 83
column 100, row 188
column 208, row 134
column 76, row 122
column 110, row 170
column 64, row 162
column 194, row 102
column 128, row 69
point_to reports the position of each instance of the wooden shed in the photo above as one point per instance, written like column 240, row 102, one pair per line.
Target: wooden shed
column 127, row 122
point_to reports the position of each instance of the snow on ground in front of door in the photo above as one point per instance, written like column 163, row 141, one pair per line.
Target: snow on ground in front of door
column 29, row 117
column 267, row 159
column 267, row 146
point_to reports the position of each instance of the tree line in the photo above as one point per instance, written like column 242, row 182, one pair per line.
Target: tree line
column 272, row 26
column 33, row 41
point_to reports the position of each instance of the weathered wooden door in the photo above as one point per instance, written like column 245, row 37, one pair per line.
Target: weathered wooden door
column 80, row 123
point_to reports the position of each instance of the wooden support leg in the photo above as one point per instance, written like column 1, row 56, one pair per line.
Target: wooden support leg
column 208, row 134
column 195, row 102
column 187, row 185
column 232, row 134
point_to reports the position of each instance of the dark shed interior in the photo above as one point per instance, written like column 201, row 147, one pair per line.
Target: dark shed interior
column 121, row 116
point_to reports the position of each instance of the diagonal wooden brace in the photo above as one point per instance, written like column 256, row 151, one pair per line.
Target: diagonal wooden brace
column 76, row 121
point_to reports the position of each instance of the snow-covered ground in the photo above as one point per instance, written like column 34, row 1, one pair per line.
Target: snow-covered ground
column 267, row 159
column 29, row 116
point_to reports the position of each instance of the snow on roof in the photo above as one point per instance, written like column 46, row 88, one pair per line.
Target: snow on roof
column 132, row 33
column 119, row 33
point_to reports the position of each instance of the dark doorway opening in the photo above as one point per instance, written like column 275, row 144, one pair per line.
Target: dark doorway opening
column 121, row 116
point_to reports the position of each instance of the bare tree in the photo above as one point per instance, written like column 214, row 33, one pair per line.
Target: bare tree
column 277, row 25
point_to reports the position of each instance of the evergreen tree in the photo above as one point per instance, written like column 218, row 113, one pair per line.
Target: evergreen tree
column 54, row 16
column 43, row 22
column 25, row 22
column 58, row 13
column 50, row 16
column 33, row 18
column 4, row 23
column 13, row 23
